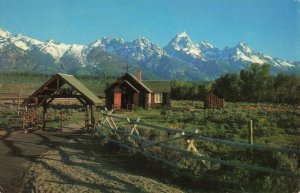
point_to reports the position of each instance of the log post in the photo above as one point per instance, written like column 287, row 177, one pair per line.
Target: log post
column 61, row 121
column 24, row 121
column 18, row 107
column 251, row 133
column 92, row 116
column 191, row 143
column 86, row 120
column 44, row 115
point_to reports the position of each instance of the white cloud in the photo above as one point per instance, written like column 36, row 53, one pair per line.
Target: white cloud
column 298, row 1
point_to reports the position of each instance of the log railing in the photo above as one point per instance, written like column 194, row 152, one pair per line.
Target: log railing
column 127, row 133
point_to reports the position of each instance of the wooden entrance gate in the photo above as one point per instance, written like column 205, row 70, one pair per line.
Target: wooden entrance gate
column 63, row 86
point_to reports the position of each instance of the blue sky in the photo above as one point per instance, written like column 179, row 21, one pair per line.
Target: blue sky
column 270, row 26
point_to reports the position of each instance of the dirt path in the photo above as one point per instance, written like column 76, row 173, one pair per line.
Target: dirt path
column 19, row 150
column 74, row 167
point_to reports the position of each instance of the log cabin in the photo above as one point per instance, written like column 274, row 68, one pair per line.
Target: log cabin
column 130, row 91
column 214, row 99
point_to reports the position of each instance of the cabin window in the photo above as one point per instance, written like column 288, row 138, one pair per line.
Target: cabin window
column 158, row 97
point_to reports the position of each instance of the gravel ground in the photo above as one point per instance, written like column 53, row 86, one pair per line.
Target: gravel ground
column 18, row 151
column 73, row 167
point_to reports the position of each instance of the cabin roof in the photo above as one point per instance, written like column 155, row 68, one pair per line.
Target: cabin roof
column 140, row 82
column 158, row 85
column 150, row 86
column 128, row 83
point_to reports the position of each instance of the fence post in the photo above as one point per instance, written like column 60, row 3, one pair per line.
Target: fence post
column 251, row 133
column 134, row 128
column 191, row 147
column 106, row 117
column 61, row 121
column 18, row 107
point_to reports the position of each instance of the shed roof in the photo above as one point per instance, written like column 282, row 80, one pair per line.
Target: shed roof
column 71, row 81
column 80, row 87
column 217, row 93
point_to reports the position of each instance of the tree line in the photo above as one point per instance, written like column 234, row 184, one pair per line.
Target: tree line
column 254, row 84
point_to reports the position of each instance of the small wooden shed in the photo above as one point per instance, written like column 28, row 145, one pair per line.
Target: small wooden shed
column 214, row 99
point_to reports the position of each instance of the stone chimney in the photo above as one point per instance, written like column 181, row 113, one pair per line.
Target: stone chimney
column 139, row 74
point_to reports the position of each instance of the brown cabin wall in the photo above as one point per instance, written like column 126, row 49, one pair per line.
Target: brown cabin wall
column 109, row 99
column 142, row 100
column 165, row 102
column 213, row 101
column 136, row 97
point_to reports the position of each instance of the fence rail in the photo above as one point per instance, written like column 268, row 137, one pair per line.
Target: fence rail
column 129, row 129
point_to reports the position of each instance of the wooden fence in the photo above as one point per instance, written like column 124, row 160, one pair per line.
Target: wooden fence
column 127, row 133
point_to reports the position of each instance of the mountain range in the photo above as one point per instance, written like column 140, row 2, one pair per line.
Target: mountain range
column 179, row 59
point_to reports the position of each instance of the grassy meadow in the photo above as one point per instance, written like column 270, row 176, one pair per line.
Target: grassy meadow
column 274, row 125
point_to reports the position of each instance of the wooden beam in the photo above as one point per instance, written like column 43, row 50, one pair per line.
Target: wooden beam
column 61, row 121
column 59, row 96
column 86, row 117
column 92, row 116
column 44, row 114
column 81, row 101
column 49, row 101
column 57, row 83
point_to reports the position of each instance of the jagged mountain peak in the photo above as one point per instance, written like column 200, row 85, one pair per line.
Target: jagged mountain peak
column 182, row 35
column 142, row 41
column 52, row 41
column 206, row 44
column 105, row 41
column 243, row 46
column 182, row 44
column 181, row 41
column 5, row 34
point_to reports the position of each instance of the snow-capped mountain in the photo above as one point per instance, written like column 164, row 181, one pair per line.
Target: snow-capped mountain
column 208, row 50
column 21, row 53
column 181, row 47
column 180, row 59
column 55, row 49
column 139, row 50
column 241, row 55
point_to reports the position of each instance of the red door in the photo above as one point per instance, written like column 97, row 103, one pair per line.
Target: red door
column 117, row 99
